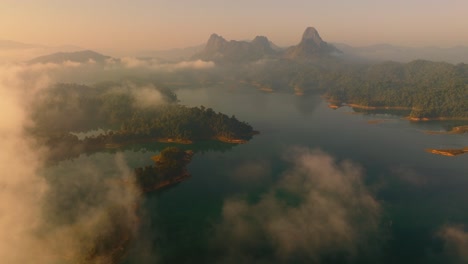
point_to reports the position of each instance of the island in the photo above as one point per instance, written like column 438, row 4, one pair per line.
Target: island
column 448, row 152
column 125, row 117
column 112, row 244
column 459, row 130
column 170, row 168
column 454, row 130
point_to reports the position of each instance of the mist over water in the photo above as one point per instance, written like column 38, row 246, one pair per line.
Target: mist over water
column 245, row 214
column 316, row 186
column 67, row 218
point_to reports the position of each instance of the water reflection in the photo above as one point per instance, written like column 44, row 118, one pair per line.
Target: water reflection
column 419, row 193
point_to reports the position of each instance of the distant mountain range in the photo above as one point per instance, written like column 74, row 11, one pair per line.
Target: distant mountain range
column 84, row 56
column 311, row 46
column 221, row 50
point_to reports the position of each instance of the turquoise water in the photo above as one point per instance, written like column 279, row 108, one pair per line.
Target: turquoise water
column 418, row 193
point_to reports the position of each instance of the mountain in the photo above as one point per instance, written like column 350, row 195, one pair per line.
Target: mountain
column 219, row 49
column 83, row 56
column 311, row 46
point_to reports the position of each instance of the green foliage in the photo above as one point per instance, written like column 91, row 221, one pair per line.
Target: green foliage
column 181, row 122
column 430, row 89
column 69, row 108
column 170, row 164
column 73, row 107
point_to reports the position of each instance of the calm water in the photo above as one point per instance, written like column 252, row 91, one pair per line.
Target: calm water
column 418, row 192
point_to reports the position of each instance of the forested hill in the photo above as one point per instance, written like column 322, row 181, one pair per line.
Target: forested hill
column 429, row 89
column 66, row 107
column 190, row 123
column 128, row 115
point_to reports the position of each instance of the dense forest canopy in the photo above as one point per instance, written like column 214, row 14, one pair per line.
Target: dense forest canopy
column 127, row 114
column 69, row 107
column 429, row 89
column 170, row 167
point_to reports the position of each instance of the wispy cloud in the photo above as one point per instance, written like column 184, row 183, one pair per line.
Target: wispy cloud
column 318, row 208
column 156, row 65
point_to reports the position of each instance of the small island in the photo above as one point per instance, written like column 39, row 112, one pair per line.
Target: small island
column 170, row 168
column 448, row 152
column 454, row 130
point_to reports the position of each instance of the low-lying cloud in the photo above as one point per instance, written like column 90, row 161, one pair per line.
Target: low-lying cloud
column 156, row 65
column 78, row 217
column 318, row 209
column 455, row 240
column 144, row 96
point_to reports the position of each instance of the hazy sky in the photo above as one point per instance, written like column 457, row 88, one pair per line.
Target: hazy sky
column 162, row 24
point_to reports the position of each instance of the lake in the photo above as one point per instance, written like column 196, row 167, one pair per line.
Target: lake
column 416, row 193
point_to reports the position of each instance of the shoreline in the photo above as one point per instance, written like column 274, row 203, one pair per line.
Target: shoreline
column 334, row 104
column 455, row 130
column 76, row 148
column 448, row 152
column 367, row 107
column 424, row 119
column 167, row 183
column 175, row 140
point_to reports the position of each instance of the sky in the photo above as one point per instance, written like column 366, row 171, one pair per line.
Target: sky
column 130, row 25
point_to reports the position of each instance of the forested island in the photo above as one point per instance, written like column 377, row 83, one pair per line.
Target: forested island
column 448, row 152
column 427, row 90
column 453, row 130
column 421, row 90
column 125, row 119
column 113, row 244
column 170, row 168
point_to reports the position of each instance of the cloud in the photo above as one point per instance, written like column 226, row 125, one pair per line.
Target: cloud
column 147, row 96
column 131, row 62
column 156, row 65
column 95, row 214
column 69, row 63
column 317, row 209
column 198, row 64
column 144, row 96
column 455, row 240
